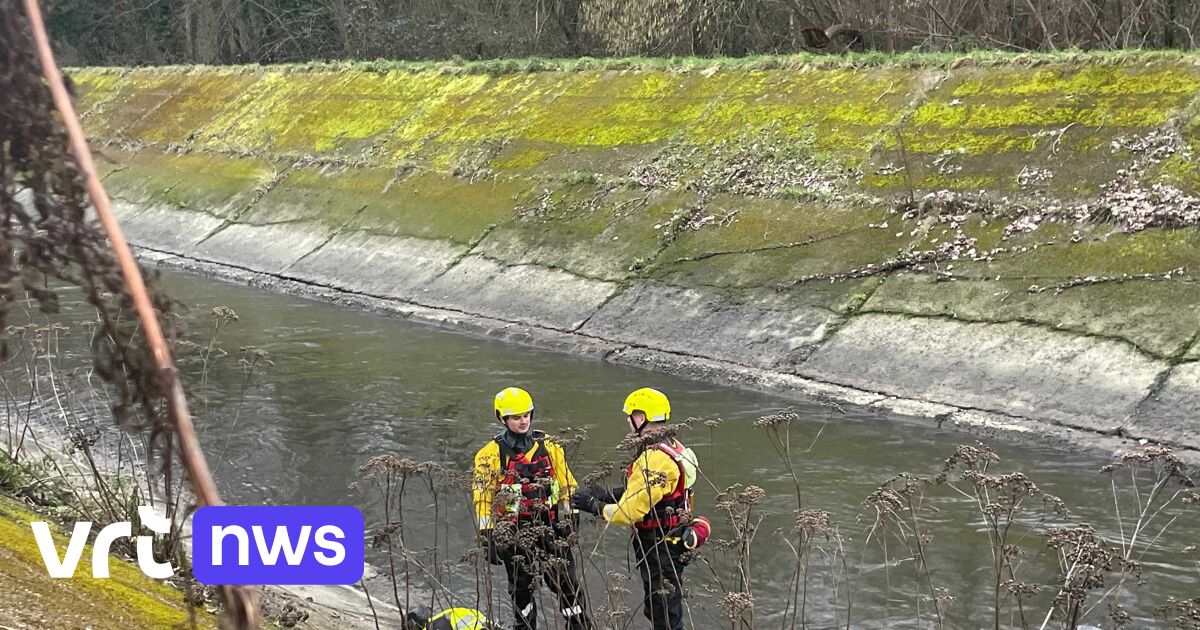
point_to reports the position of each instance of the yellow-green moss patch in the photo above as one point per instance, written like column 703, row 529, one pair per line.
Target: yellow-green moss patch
column 128, row 599
column 438, row 206
column 197, row 182
column 93, row 87
column 186, row 112
column 135, row 94
column 1059, row 118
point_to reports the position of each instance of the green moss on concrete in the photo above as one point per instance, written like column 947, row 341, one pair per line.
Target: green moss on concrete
column 333, row 113
column 1059, row 118
column 196, row 182
column 610, row 236
column 452, row 151
column 93, row 87
column 1106, row 254
column 128, row 599
column 329, row 197
column 498, row 108
column 183, row 115
column 1180, row 169
column 134, row 95
column 1160, row 318
column 603, row 109
column 439, row 206
column 845, row 111
column 522, row 158
column 774, row 242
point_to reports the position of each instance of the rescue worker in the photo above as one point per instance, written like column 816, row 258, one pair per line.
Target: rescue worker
column 522, row 503
column 657, row 502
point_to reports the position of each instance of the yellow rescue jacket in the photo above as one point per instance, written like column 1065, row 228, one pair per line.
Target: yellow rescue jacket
column 489, row 476
column 652, row 476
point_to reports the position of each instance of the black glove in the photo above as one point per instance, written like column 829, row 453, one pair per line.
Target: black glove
column 584, row 501
column 608, row 495
column 489, row 545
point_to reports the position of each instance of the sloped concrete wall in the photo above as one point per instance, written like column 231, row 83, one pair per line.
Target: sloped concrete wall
column 1014, row 237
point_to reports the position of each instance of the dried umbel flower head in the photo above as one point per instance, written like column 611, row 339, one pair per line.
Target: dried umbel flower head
column 382, row 465
column 1009, row 490
column 734, row 604
column 969, row 457
column 383, row 536
column 772, row 421
column 886, row 500
column 1085, row 559
column 223, row 315
column 569, row 437
column 943, row 597
column 1023, row 591
column 736, row 495
column 616, row 583
column 812, row 523
column 1182, row 614
column 635, row 443
column 1158, row 457
column 1119, row 616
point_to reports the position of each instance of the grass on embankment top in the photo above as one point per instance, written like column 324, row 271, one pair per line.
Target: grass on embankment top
column 870, row 59
column 29, row 598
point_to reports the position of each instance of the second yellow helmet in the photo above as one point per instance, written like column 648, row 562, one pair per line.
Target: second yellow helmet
column 513, row 401
column 649, row 401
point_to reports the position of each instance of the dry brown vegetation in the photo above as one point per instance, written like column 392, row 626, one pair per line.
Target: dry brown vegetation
column 128, row 32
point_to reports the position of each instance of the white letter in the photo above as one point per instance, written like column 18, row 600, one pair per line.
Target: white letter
column 145, row 544
column 218, row 536
column 45, row 542
column 282, row 541
column 338, row 549
column 104, row 540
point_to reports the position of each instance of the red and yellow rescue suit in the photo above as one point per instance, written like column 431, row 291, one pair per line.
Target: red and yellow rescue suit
column 656, row 500
column 531, row 489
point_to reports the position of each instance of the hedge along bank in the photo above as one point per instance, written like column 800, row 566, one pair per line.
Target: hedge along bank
column 1008, row 240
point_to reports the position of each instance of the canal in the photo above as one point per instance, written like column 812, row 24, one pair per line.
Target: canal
column 337, row 387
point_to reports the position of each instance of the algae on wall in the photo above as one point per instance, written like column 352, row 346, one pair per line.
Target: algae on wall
column 30, row 597
column 1054, row 192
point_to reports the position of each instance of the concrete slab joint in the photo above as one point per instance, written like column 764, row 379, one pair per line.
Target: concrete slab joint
column 1007, row 368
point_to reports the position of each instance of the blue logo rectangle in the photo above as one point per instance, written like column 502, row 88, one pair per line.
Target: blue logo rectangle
column 277, row 544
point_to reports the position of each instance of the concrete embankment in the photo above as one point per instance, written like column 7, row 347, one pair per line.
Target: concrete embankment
column 1002, row 242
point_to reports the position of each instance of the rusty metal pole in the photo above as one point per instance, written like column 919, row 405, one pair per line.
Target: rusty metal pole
column 240, row 600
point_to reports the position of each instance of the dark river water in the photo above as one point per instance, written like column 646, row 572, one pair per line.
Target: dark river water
column 344, row 386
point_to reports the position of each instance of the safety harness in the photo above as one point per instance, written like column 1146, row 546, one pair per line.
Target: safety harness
column 668, row 512
column 531, row 482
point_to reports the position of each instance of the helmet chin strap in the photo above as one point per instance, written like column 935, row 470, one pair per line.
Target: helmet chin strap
column 637, row 428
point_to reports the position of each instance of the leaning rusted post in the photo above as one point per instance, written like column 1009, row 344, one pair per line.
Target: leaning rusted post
column 241, row 609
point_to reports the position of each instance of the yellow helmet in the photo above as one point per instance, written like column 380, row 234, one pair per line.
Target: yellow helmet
column 513, row 401
column 651, row 402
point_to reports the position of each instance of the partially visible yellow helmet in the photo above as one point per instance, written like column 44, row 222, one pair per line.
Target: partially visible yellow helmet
column 513, row 401
column 459, row 618
column 651, row 402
